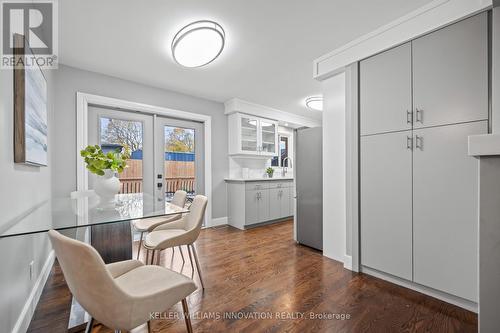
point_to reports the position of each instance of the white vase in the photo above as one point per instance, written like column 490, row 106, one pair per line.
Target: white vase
column 107, row 186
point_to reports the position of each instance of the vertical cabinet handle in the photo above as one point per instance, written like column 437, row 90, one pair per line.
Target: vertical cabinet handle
column 419, row 116
column 409, row 142
column 419, row 142
column 409, row 116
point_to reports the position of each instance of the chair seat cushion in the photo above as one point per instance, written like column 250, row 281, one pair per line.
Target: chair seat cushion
column 153, row 289
column 156, row 237
column 149, row 224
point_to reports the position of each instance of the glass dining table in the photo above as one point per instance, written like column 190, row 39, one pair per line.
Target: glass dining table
column 107, row 227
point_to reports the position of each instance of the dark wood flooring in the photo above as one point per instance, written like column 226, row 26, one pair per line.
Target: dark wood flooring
column 262, row 272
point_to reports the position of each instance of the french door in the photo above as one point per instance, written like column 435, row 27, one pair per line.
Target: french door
column 166, row 154
column 179, row 155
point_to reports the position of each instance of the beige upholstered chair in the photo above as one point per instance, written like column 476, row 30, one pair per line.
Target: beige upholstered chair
column 147, row 225
column 120, row 295
column 184, row 231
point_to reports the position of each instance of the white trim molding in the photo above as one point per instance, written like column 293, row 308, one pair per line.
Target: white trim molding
column 24, row 319
column 238, row 105
column 348, row 262
column 83, row 100
column 423, row 20
column 218, row 221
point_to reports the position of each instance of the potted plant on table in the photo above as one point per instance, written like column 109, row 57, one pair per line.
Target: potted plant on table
column 106, row 166
column 270, row 172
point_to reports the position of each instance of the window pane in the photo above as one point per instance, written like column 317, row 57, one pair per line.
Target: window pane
column 284, row 150
column 116, row 134
column 179, row 161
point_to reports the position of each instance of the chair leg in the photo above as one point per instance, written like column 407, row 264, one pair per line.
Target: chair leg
column 153, row 257
column 90, row 324
column 182, row 255
column 197, row 265
column 140, row 245
column 186, row 316
column 147, row 257
column 149, row 326
column 190, row 259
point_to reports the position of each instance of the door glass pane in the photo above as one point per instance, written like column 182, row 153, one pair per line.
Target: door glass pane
column 118, row 134
column 268, row 136
column 179, row 161
column 248, row 134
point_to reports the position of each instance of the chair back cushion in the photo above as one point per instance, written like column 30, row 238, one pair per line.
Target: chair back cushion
column 179, row 198
column 194, row 219
column 88, row 279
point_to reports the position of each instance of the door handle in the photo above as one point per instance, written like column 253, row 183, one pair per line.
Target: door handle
column 419, row 142
column 419, row 116
column 409, row 142
column 409, row 116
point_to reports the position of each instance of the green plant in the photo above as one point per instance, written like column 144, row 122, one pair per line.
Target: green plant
column 97, row 161
column 270, row 171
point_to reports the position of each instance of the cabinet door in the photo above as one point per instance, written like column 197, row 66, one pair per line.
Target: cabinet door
column 285, row 202
column 263, row 205
column 249, row 135
column 252, row 199
column 275, row 203
column 386, row 203
column 450, row 74
column 445, row 220
column 385, row 91
column 268, row 137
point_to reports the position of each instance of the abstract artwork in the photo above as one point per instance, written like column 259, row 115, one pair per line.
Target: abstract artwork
column 30, row 112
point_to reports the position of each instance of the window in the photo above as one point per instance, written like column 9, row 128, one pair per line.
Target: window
column 277, row 161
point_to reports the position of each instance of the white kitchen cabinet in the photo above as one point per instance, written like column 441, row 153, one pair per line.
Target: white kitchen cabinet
column 254, row 202
column 250, row 135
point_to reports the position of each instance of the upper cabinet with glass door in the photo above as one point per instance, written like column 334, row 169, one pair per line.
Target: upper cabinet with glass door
column 250, row 135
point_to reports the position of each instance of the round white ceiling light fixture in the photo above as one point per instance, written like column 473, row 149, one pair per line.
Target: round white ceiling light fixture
column 315, row 103
column 198, row 43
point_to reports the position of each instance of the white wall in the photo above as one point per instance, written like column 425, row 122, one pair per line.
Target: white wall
column 21, row 189
column 334, row 161
column 70, row 80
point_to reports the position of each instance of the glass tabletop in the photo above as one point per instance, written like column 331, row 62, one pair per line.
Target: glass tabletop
column 83, row 210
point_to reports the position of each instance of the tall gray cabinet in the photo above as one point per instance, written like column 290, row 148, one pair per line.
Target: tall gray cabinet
column 419, row 102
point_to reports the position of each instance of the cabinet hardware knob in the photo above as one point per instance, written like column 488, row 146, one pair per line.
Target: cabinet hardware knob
column 419, row 142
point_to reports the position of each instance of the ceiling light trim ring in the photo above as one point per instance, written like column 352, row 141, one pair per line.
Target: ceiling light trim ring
column 312, row 99
column 185, row 31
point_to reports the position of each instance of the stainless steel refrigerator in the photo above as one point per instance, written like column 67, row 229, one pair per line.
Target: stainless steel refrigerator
column 309, row 187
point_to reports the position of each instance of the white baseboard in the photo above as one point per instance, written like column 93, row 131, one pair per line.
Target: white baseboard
column 348, row 262
column 24, row 319
column 218, row 221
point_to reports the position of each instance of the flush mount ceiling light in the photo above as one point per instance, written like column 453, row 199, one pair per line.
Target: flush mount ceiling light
column 198, row 43
column 315, row 103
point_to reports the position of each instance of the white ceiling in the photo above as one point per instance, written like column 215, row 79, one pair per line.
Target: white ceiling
column 269, row 49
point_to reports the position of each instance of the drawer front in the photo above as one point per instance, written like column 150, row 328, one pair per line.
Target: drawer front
column 280, row 184
column 256, row 186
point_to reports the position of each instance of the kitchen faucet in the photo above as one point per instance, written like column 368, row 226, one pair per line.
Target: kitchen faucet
column 284, row 169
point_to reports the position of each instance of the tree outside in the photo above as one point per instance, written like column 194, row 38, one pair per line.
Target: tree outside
column 179, row 139
column 124, row 132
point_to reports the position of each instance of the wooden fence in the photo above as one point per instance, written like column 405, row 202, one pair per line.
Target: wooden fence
column 180, row 177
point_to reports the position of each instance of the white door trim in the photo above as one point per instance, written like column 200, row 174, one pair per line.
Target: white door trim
column 83, row 100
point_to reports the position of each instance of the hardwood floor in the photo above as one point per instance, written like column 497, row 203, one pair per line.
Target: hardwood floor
column 262, row 272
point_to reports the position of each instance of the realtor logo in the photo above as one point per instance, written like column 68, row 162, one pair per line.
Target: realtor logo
column 35, row 23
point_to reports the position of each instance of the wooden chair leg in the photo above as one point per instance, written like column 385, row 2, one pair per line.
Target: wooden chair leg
column 140, row 245
column 197, row 265
column 158, row 257
column 182, row 255
column 187, row 319
column 147, row 257
column 90, row 324
column 149, row 326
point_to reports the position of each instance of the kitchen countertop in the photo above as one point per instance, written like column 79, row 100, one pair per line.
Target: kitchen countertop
column 257, row 179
